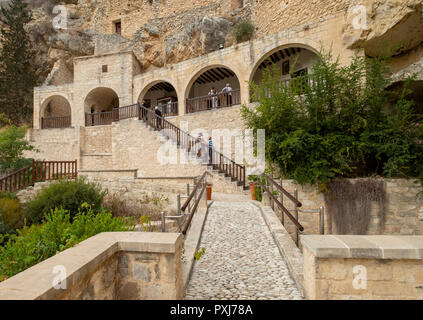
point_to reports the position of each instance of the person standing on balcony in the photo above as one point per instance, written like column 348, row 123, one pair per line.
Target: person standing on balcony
column 213, row 94
column 158, row 118
column 227, row 94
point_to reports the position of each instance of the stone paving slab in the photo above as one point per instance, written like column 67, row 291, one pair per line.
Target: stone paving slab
column 241, row 259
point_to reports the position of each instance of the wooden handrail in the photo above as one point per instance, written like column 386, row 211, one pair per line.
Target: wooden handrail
column 185, row 205
column 281, row 189
column 38, row 171
column 200, row 183
column 286, row 211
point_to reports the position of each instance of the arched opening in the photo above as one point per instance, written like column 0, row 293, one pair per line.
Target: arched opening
column 161, row 94
column 99, row 105
column 55, row 113
column 213, row 88
column 292, row 62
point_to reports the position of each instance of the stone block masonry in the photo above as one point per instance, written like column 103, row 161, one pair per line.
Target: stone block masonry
column 108, row 266
column 403, row 209
column 363, row 267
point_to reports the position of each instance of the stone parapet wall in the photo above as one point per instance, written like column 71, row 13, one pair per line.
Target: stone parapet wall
column 117, row 265
column 363, row 267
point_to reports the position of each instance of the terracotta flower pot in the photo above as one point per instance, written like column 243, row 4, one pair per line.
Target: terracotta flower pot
column 253, row 190
column 209, row 191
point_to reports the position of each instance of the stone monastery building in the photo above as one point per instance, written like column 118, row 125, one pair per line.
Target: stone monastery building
column 172, row 53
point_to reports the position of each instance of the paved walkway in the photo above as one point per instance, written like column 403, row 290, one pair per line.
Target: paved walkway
column 241, row 260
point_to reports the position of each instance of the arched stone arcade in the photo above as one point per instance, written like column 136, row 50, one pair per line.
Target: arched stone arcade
column 212, row 87
column 162, row 94
column 99, row 105
column 290, row 60
column 55, row 112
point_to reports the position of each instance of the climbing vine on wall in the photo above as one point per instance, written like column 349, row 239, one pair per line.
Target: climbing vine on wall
column 350, row 204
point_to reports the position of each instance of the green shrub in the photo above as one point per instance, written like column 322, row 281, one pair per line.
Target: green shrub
column 8, row 195
column 66, row 194
column 243, row 31
column 11, row 212
column 342, row 125
column 11, row 215
column 12, row 146
column 58, row 232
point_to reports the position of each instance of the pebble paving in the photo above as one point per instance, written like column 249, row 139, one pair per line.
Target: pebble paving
column 241, row 260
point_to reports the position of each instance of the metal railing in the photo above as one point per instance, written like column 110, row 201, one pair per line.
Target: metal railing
column 215, row 101
column 272, row 187
column 189, row 208
column 55, row 122
column 207, row 155
column 39, row 171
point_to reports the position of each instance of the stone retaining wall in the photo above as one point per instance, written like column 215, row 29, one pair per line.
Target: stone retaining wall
column 112, row 265
column 363, row 267
column 403, row 214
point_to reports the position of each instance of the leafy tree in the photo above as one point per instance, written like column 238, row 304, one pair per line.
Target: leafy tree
column 12, row 146
column 17, row 72
column 338, row 122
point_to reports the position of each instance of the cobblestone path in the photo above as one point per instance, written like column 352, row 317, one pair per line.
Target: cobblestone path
column 241, row 260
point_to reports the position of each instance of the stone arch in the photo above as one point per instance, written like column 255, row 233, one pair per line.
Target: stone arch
column 279, row 55
column 161, row 93
column 214, row 76
column 55, row 112
column 204, row 70
column 101, row 99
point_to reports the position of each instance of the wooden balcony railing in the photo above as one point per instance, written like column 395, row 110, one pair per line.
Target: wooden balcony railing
column 169, row 109
column 98, row 118
column 220, row 100
column 55, row 122
column 39, row 171
column 127, row 112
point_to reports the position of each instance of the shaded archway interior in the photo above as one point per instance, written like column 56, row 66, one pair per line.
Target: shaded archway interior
column 101, row 100
column 159, row 94
column 291, row 62
column 216, row 78
column 56, row 106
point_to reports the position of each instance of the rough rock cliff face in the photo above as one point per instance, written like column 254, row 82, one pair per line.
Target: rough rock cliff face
column 162, row 40
column 162, row 32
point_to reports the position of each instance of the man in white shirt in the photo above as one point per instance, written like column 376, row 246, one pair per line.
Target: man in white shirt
column 228, row 94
